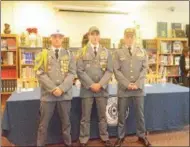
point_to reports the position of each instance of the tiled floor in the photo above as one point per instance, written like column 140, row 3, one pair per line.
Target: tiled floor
column 172, row 138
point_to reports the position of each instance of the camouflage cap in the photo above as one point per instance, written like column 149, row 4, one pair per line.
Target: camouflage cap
column 130, row 31
column 93, row 29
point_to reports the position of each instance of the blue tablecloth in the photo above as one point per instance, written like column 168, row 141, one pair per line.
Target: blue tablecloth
column 166, row 107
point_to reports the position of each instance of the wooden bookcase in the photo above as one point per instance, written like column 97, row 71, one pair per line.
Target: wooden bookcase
column 9, row 66
column 151, row 48
column 105, row 42
column 170, row 68
column 26, row 69
column 47, row 43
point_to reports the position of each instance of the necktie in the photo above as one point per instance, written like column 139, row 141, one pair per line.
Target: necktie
column 129, row 48
column 56, row 53
column 95, row 52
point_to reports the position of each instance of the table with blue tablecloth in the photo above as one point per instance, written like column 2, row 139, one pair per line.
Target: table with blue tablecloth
column 166, row 106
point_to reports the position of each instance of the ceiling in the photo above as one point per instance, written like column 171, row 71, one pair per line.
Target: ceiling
column 182, row 6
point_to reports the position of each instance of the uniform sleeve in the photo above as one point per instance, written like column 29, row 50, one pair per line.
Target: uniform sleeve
column 117, row 71
column 84, row 78
column 42, row 76
column 140, row 80
column 108, row 73
column 68, row 81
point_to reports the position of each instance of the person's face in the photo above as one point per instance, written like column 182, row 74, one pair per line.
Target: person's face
column 94, row 37
column 129, row 39
column 56, row 41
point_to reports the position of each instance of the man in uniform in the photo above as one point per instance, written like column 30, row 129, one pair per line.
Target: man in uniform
column 94, row 69
column 55, row 69
column 130, row 65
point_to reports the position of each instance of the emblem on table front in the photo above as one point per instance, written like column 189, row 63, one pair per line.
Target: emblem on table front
column 112, row 111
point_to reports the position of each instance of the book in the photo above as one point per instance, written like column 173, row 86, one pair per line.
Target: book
column 177, row 47
column 8, row 73
column 11, row 43
column 27, row 73
column 28, row 58
column 162, row 30
column 10, row 58
column 179, row 33
column 4, row 45
column 172, row 71
column 176, row 60
column 166, row 47
column 164, row 60
column 176, row 26
column 152, row 55
column 170, row 60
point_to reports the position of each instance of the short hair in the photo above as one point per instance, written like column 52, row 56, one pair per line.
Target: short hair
column 85, row 39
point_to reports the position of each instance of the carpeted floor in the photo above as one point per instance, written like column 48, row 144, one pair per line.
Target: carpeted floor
column 171, row 138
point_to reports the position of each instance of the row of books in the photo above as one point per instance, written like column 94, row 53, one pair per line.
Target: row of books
column 28, row 72
column 29, row 84
column 169, row 71
column 28, row 58
column 8, row 85
column 172, row 71
column 8, row 44
column 169, row 47
column 8, row 73
column 170, row 60
column 152, row 55
column 47, row 42
column 106, row 42
column 149, row 44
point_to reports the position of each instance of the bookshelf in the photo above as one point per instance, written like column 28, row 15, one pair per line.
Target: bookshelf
column 47, row 42
column 151, row 48
column 105, row 42
column 27, row 75
column 169, row 51
column 9, row 66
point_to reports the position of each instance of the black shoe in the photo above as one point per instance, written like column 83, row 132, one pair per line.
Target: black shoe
column 119, row 142
column 145, row 141
column 83, row 145
column 68, row 145
column 108, row 143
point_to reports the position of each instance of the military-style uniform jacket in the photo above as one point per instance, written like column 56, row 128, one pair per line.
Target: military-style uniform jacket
column 59, row 73
column 130, row 69
column 94, row 69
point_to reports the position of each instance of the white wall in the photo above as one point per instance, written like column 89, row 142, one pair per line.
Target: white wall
column 42, row 15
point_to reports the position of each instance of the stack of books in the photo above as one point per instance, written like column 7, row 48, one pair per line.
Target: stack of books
column 8, row 85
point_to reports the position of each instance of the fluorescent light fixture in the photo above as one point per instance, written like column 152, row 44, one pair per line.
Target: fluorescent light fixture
column 89, row 9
